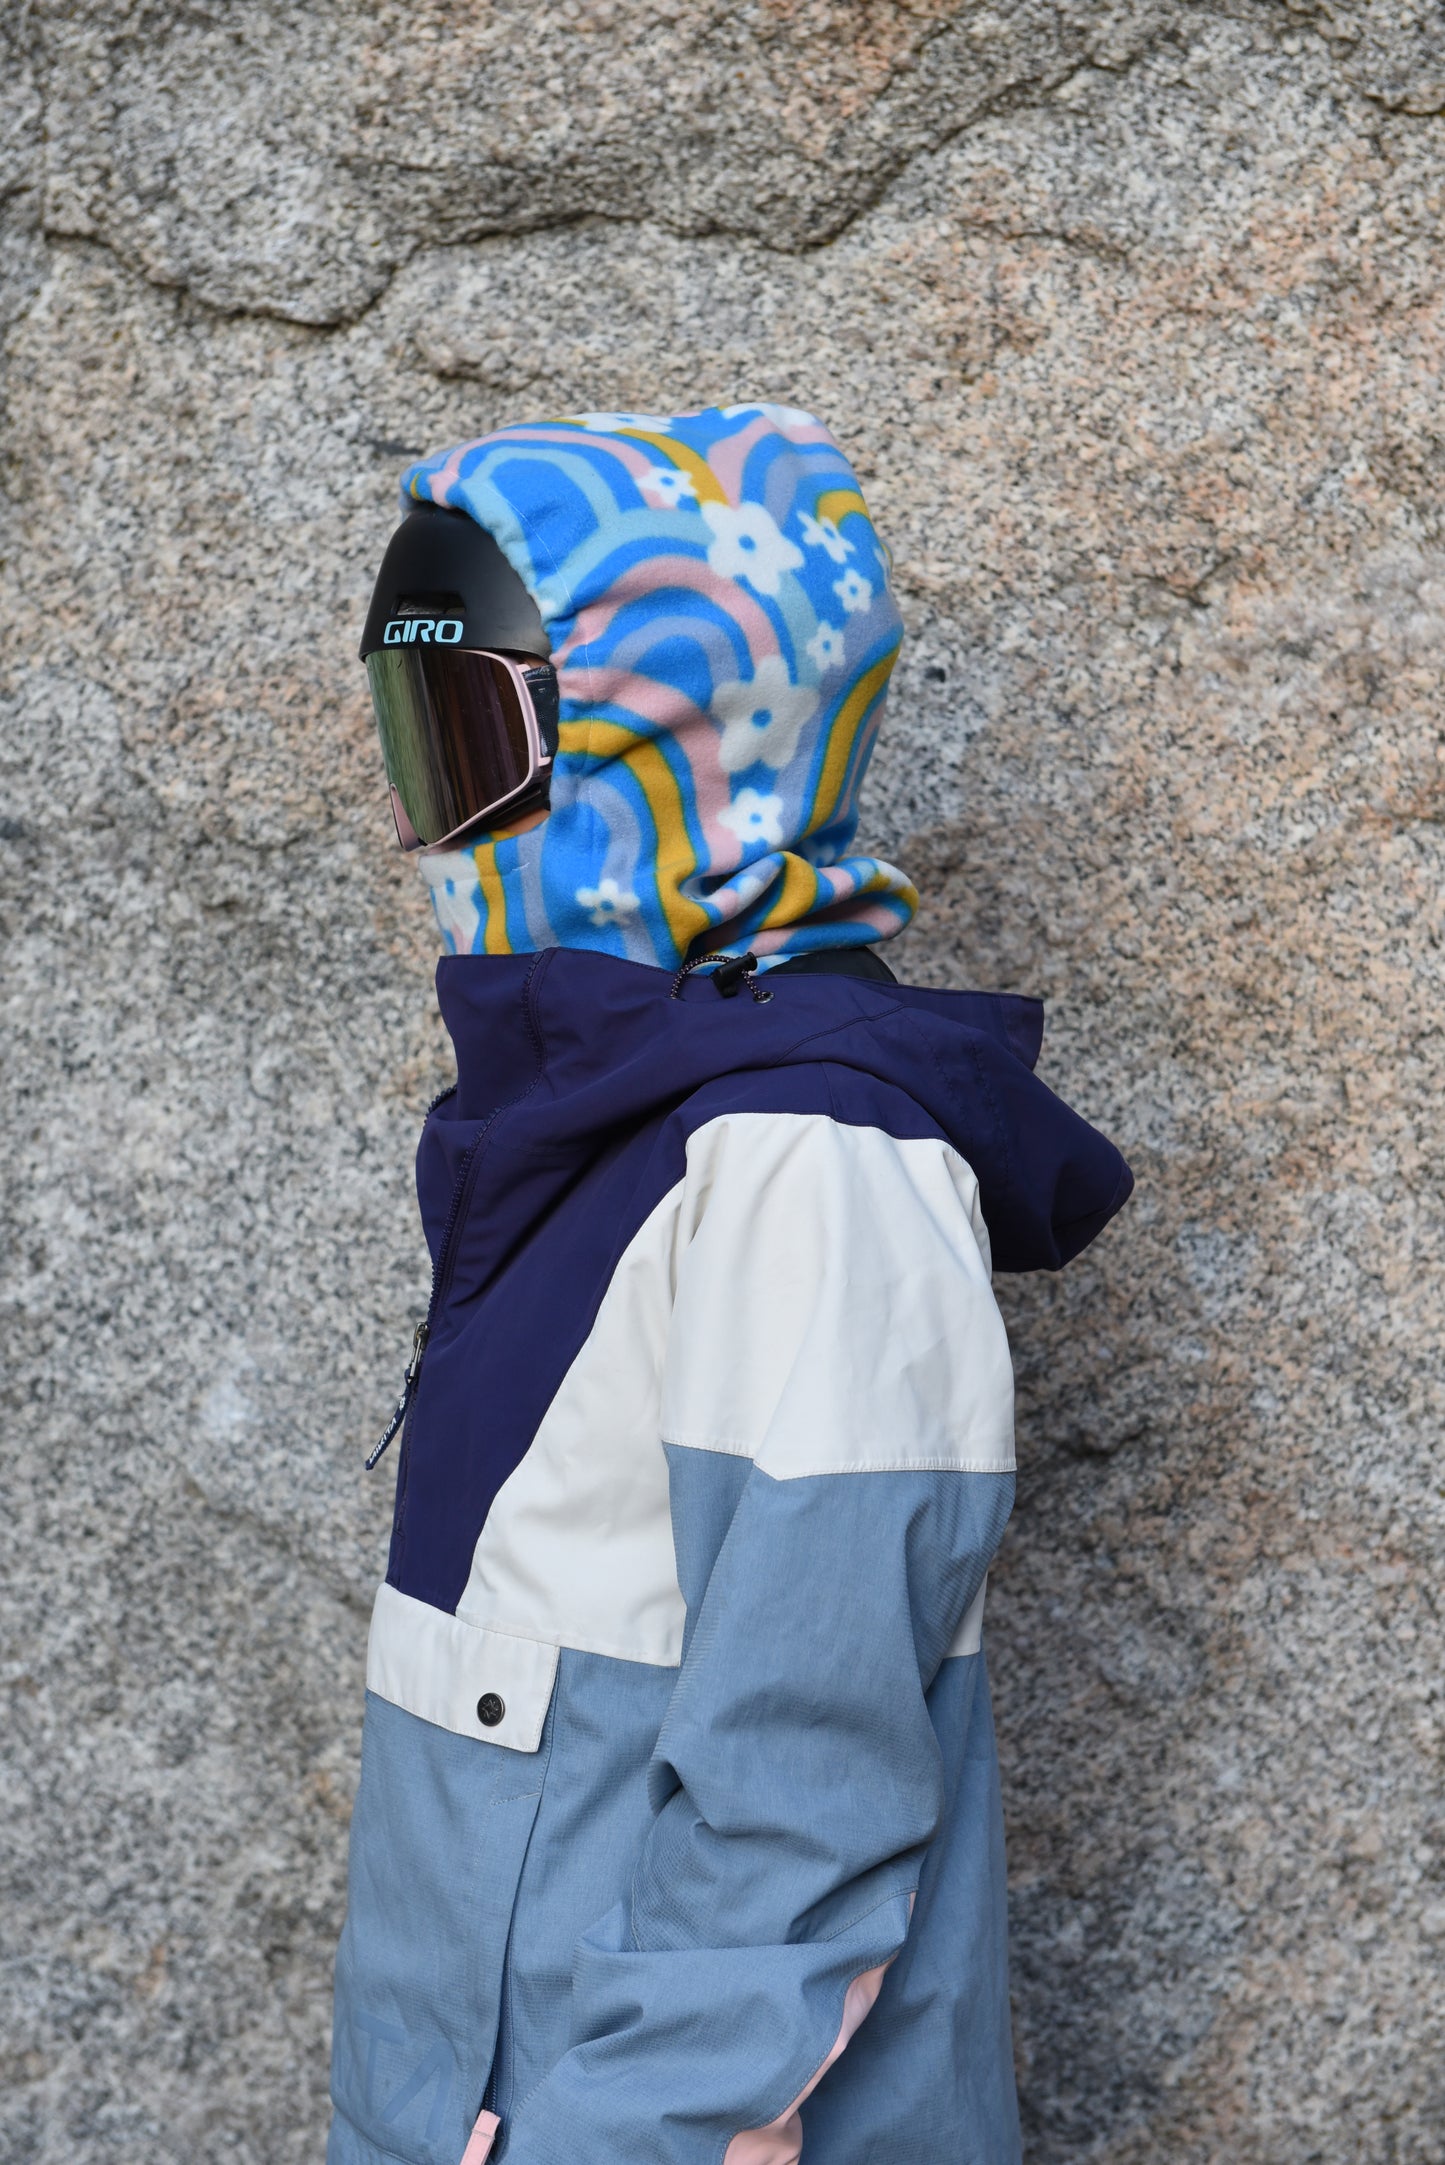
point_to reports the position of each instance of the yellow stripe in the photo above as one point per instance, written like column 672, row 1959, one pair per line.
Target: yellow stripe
column 596, row 739
column 845, row 731
column 709, row 489
column 494, row 935
column 835, row 504
column 800, row 892
column 675, row 857
column 576, row 737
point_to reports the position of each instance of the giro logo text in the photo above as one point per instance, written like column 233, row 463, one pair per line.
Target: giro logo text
column 423, row 630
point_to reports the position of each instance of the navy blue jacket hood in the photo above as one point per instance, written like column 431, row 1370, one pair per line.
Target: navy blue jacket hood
column 583, row 1048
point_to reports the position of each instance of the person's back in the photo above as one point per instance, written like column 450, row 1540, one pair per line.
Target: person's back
column 678, row 1835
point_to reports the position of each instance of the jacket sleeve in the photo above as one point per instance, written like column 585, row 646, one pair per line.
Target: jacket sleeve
column 837, row 1416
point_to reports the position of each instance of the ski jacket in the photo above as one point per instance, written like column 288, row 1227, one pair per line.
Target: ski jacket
column 678, row 1837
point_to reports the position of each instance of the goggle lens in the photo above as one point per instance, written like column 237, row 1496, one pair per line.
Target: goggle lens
column 454, row 734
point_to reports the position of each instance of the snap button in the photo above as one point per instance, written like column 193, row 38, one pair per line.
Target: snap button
column 490, row 1709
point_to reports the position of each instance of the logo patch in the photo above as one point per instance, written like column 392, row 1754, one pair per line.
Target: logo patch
column 423, row 631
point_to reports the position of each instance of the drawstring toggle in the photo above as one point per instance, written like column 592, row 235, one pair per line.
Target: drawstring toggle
column 731, row 972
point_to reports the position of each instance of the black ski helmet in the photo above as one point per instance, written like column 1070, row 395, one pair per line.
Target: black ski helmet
column 440, row 564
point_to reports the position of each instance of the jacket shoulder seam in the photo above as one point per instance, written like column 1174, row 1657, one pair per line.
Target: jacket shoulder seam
column 724, row 1448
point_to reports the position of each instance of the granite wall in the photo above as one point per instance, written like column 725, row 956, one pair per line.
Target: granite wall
column 1132, row 318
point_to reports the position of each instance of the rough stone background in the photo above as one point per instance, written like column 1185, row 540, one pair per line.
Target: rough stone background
column 1132, row 317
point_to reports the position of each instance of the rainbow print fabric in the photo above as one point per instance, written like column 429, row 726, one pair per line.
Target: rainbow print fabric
column 721, row 622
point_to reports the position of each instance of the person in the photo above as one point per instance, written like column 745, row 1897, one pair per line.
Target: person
column 678, row 1839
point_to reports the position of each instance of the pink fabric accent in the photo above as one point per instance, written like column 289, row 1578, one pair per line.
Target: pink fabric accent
column 781, row 2141
column 479, row 2143
column 676, row 718
column 443, row 478
column 884, row 921
column 728, row 458
column 645, row 581
column 636, row 457
column 645, row 696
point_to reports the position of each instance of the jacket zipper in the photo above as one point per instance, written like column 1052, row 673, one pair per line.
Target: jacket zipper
column 441, row 1279
column 408, row 1385
column 412, row 1377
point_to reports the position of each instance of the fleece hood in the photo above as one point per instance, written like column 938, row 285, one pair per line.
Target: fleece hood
column 718, row 606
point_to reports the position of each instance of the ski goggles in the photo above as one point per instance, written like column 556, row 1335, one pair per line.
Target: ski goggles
column 467, row 735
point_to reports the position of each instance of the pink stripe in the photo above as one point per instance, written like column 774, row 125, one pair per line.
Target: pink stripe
column 654, row 700
column 542, row 432
column 483, row 2135
column 781, row 2141
column 637, row 458
column 634, row 457
column 650, row 697
column 647, row 580
column 885, row 923
column 445, row 475
column 845, row 886
column 712, row 793
column 728, row 458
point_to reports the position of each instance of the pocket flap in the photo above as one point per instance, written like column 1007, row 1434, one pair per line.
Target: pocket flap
column 476, row 1683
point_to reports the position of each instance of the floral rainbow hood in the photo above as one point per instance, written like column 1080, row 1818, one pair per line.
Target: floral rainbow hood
column 718, row 605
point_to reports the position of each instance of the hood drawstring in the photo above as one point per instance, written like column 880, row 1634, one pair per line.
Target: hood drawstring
column 733, row 971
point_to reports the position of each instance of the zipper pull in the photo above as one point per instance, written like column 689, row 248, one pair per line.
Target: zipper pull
column 483, row 2135
column 418, row 1348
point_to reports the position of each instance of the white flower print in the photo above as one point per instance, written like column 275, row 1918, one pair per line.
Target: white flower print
column 853, row 590
column 825, row 649
column 749, row 544
column 670, row 483
column 754, row 818
column 823, row 534
column 763, row 719
column 455, row 902
column 608, row 904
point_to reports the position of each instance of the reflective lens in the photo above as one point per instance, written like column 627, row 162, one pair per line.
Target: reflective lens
column 453, row 733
